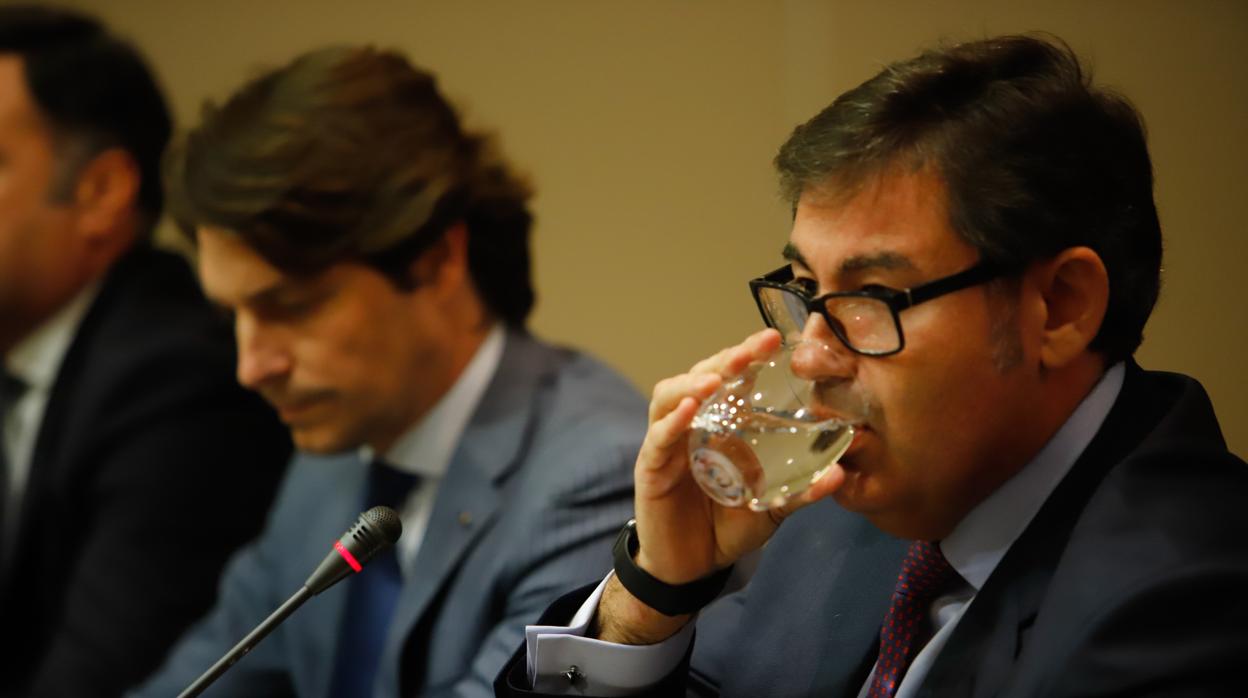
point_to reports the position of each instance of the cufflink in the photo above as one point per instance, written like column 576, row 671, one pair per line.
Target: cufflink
column 574, row 676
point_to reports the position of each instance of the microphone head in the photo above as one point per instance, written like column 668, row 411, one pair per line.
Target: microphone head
column 374, row 531
column 385, row 521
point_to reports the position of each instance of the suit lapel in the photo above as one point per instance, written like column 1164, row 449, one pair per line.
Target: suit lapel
column 58, row 434
column 70, row 418
column 980, row 654
column 468, row 497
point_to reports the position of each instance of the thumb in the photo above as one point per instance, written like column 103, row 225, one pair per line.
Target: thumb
column 828, row 483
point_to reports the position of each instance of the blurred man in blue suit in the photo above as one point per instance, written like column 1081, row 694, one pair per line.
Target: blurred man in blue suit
column 375, row 257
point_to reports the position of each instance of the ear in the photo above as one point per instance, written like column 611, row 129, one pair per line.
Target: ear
column 105, row 197
column 443, row 267
column 1074, row 290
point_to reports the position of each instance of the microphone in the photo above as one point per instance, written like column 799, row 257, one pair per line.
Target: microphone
column 374, row 531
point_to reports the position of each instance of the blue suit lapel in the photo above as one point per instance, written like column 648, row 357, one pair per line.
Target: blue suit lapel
column 468, row 497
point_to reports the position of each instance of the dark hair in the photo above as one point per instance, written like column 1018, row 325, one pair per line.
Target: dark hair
column 352, row 154
column 95, row 91
column 1033, row 157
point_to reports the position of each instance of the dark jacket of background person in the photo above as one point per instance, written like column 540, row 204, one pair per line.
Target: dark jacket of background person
column 147, row 464
column 151, row 466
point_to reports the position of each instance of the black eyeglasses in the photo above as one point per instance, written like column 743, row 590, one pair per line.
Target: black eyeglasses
column 865, row 321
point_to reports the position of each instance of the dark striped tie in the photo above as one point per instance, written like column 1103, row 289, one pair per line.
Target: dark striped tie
column 925, row 574
column 372, row 596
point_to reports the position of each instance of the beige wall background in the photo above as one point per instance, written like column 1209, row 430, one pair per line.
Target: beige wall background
column 648, row 128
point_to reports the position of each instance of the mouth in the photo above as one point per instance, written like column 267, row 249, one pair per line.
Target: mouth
column 293, row 411
column 861, row 435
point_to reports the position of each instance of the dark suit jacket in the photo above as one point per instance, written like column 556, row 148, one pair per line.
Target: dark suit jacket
column 540, row 481
column 1131, row 580
column 150, row 466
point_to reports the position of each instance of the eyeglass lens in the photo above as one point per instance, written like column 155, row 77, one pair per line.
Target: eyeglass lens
column 865, row 324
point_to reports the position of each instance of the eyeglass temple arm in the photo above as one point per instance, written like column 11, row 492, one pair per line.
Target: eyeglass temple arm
column 978, row 274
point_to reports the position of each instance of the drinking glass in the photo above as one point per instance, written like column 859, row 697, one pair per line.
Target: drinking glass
column 765, row 437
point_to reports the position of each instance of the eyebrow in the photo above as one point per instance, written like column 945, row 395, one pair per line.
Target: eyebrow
column 263, row 295
column 857, row 263
column 792, row 254
column 274, row 293
column 879, row 260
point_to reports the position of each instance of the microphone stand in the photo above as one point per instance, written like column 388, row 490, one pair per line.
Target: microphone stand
column 374, row 530
column 247, row 643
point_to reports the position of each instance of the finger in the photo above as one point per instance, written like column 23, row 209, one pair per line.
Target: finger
column 665, row 434
column 669, row 392
column 713, row 363
column 716, row 362
column 765, row 341
column 733, row 360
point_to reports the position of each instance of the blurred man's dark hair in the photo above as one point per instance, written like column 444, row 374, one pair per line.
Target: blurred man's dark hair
column 94, row 90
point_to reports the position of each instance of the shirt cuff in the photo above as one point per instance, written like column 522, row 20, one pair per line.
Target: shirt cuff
column 561, row 660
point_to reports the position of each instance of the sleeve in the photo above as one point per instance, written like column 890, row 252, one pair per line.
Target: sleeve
column 513, row 680
column 565, row 541
column 175, row 489
column 562, row 661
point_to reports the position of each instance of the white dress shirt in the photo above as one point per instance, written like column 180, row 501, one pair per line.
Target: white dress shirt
column 974, row 549
column 425, row 450
column 35, row 360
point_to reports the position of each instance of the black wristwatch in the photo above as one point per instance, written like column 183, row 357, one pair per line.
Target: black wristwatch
column 668, row 599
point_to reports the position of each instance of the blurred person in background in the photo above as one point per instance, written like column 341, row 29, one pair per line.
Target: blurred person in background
column 132, row 463
column 375, row 256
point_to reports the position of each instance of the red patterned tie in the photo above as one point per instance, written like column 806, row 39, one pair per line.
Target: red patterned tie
column 925, row 573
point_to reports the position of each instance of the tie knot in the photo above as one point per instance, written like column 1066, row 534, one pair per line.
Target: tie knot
column 387, row 485
column 925, row 572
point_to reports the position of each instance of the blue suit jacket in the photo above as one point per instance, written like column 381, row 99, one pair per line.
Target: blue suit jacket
column 539, row 483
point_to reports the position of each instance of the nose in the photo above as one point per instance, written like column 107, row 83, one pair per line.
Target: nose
column 262, row 355
column 820, row 356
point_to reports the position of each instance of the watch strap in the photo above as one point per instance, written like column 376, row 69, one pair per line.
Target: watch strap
column 668, row 599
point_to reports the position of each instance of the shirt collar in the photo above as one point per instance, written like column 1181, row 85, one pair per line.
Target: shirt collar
column 984, row 535
column 37, row 358
column 427, row 447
